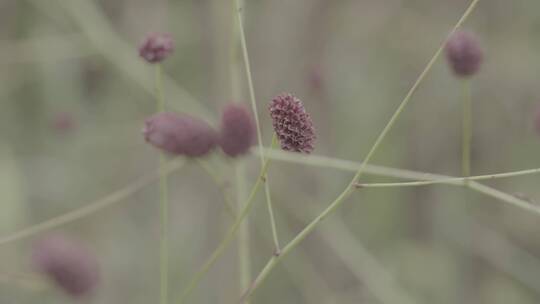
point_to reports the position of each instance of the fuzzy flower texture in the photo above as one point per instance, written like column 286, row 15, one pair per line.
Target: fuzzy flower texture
column 156, row 47
column 68, row 264
column 292, row 124
column 464, row 54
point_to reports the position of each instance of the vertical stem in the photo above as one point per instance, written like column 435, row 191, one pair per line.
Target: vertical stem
column 467, row 129
column 277, row 250
column 164, row 201
column 244, row 261
column 256, row 115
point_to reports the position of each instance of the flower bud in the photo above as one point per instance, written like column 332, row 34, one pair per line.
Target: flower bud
column 238, row 131
column 292, row 124
column 464, row 54
column 180, row 134
column 156, row 47
column 68, row 264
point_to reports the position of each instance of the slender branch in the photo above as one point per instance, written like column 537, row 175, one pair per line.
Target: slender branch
column 244, row 235
column 459, row 181
column 91, row 208
column 466, row 129
column 349, row 189
column 227, row 202
column 163, row 200
column 253, row 100
column 228, row 237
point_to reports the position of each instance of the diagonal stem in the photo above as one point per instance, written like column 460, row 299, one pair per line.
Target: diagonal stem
column 350, row 188
column 91, row 208
column 253, row 100
column 231, row 233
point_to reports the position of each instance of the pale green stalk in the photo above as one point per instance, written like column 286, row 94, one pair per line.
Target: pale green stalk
column 466, row 129
column 253, row 100
column 163, row 202
column 458, row 181
column 350, row 188
column 91, row 208
column 248, row 204
column 244, row 252
column 227, row 203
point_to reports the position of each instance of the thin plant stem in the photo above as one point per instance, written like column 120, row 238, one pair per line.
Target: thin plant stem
column 350, row 188
column 90, row 208
column 244, row 235
column 228, row 204
column 466, row 129
column 231, row 233
column 163, row 201
column 244, row 252
column 247, row 66
column 459, row 181
column 269, row 204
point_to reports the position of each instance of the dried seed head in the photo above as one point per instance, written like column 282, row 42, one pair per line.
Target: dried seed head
column 237, row 132
column 180, row 134
column 68, row 264
column 464, row 53
column 156, row 47
column 292, row 124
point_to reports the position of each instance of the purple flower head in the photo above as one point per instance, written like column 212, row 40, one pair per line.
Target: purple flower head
column 238, row 131
column 68, row 264
column 464, row 54
column 292, row 124
column 180, row 134
column 156, row 47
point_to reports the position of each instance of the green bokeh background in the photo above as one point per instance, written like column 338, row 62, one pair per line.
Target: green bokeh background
column 351, row 62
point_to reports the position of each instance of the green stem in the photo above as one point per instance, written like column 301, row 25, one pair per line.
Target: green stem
column 244, row 260
column 228, row 204
column 90, row 208
column 467, row 127
column 269, row 204
column 248, row 204
column 164, row 202
column 350, row 188
column 458, row 181
column 253, row 100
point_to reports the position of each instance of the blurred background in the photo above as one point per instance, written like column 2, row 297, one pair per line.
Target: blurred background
column 74, row 95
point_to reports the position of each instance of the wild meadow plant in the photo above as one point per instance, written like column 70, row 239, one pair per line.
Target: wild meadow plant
column 182, row 137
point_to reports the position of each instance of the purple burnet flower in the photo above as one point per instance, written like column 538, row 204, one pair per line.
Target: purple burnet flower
column 464, row 54
column 237, row 132
column 292, row 124
column 69, row 264
column 180, row 134
column 156, row 47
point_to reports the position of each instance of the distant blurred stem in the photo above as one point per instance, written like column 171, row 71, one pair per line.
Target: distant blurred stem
column 164, row 201
column 228, row 204
column 249, row 77
column 467, row 129
column 244, row 250
column 350, row 188
column 248, row 204
column 90, row 208
column 269, row 203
